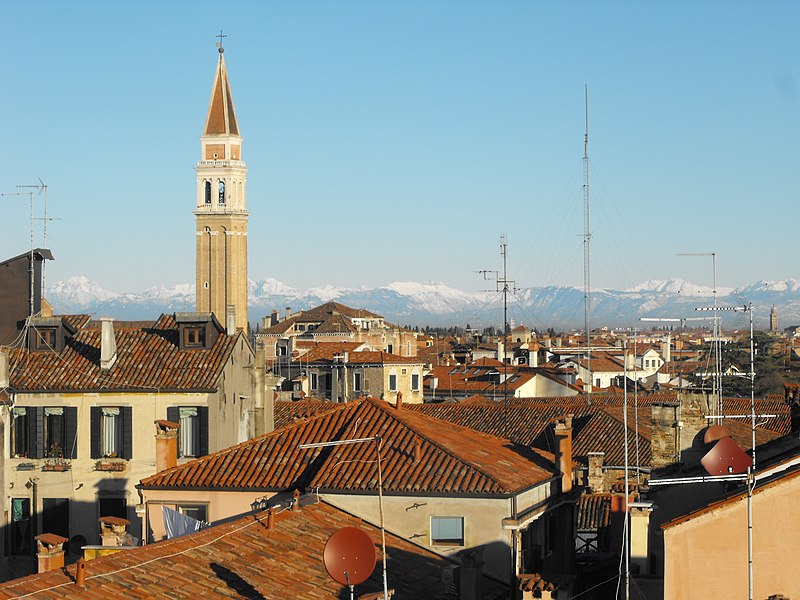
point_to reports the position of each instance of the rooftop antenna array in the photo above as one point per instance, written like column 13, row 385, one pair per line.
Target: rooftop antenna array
column 42, row 187
column 502, row 285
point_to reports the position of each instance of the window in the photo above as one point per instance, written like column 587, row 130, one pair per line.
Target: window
column 392, row 382
column 208, row 192
column 112, row 506
column 20, row 539
column 314, row 381
column 55, row 516
column 415, row 381
column 222, row 192
column 19, row 431
column 357, row 382
column 403, row 371
column 193, row 432
column 195, row 511
column 447, row 531
column 45, row 339
column 44, row 432
column 390, row 349
column 112, row 432
column 194, row 337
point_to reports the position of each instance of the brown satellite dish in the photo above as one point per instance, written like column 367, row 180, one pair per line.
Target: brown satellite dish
column 716, row 432
column 349, row 556
column 295, row 353
column 726, row 458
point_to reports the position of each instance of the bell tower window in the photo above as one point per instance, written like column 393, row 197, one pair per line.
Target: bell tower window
column 222, row 192
column 208, row 192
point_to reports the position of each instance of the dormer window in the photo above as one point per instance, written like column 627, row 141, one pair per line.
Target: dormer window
column 194, row 337
column 45, row 339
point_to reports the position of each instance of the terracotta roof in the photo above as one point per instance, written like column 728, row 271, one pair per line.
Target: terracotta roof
column 594, row 428
column 147, row 359
column 593, row 511
column 328, row 316
column 321, row 354
column 247, row 558
column 451, row 459
column 320, row 351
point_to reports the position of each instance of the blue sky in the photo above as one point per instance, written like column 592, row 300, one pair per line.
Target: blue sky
column 398, row 140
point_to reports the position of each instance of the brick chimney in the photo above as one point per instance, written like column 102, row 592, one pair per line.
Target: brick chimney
column 664, row 441
column 471, row 574
column 166, row 444
column 50, row 551
column 399, row 404
column 108, row 344
column 113, row 531
column 563, row 432
column 596, row 482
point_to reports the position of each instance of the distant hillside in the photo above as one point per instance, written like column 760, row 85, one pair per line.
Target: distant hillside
column 436, row 304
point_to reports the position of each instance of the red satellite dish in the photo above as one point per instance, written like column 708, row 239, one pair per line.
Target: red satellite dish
column 726, row 458
column 349, row 556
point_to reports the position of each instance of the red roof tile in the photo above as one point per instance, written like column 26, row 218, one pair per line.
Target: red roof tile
column 246, row 558
column 148, row 359
column 452, row 459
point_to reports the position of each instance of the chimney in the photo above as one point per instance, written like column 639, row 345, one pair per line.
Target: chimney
column 113, row 531
column 288, row 312
column 108, row 344
column 563, row 433
column 296, row 500
column 230, row 319
column 640, row 528
column 4, row 369
column 399, row 404
column 273, row 318
column 50, row 551
column 471, row 574
column 664, row 445
column 80, row 573
column 666, row 348
column 166, row 445
column 596, row 481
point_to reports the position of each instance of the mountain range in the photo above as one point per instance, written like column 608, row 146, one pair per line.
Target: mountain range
column 436, row 304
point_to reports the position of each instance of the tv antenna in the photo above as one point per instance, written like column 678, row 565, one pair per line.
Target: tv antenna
column 505, row 285
column 42, row 187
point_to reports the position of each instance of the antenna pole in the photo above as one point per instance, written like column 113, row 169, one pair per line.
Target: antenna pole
column 587, row 386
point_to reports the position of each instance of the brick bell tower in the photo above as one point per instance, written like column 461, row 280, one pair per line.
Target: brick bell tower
column 221, row 213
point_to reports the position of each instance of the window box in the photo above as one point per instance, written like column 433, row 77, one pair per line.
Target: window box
column 108, row 464
column 26, row 466
column 56, row 464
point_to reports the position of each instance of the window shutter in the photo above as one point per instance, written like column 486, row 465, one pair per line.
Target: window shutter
column 173, row 414
column 36, row 432
column 70, row 432
column 202, row 414
column 94, row 424
column 126, row 414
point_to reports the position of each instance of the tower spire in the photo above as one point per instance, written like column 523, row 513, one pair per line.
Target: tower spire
column 221, row 117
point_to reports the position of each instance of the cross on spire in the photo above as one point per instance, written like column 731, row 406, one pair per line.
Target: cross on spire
column 221, row 37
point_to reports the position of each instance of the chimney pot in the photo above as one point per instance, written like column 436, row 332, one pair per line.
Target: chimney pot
column 230, row 319
column 108, row 344
column 50, row 551
column 399, row 404
column 296, row 500
column 563, row 433
column 80, row 573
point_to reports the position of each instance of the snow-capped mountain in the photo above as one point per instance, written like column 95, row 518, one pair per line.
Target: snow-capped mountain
column 435, row 303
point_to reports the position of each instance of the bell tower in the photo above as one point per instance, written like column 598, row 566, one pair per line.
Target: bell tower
column 221, row 213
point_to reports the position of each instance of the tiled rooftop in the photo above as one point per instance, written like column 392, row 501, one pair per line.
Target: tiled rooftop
column 419, row 454
column 148, row 358
column 246, row 558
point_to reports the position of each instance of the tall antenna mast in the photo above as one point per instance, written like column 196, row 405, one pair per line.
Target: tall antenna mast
column 42, row 187
column 502, row 284
column 587, row 386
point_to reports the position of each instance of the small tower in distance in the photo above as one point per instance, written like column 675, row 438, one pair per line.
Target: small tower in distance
column 220, row 212
column 773, row 319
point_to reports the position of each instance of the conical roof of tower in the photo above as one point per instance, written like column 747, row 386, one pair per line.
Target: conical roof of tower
column 221, row 117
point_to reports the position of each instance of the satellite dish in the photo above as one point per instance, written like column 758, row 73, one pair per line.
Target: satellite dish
column 716, row 432
column 349, row 556
column 726, row 458
column 295, row 353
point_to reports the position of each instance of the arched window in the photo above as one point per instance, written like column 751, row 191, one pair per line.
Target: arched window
column 221, row 192
column 208, row 192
